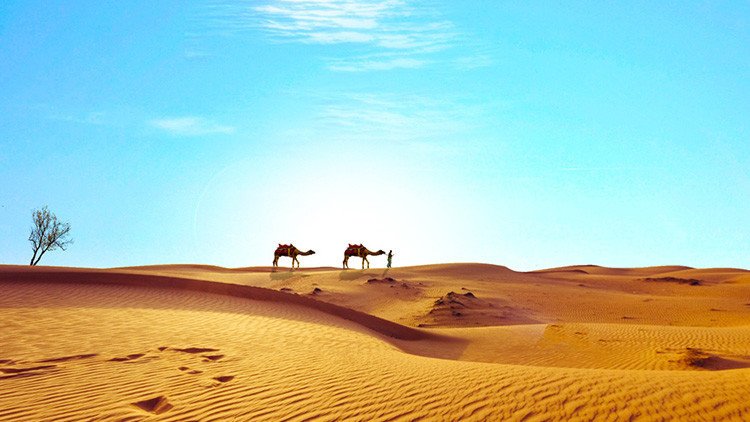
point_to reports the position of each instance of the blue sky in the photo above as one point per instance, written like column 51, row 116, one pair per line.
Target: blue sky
column 523, row 134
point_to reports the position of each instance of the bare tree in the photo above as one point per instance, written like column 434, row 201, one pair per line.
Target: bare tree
column 47, row 234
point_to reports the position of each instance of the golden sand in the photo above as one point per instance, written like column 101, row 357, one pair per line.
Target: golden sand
column 439, row 342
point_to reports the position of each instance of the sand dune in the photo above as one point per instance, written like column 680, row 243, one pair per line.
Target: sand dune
column 596, row 269
column 109, row 278
column 193, row 342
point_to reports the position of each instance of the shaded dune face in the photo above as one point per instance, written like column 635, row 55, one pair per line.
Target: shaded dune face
column 207, row 343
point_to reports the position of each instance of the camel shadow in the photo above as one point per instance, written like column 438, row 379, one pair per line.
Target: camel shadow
column 277, row 275
column 350, row 275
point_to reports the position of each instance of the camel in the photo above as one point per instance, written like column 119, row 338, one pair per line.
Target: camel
column 360, row 251
column 290, row 251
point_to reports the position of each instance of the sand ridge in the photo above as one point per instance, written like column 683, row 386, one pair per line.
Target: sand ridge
column 205, row 343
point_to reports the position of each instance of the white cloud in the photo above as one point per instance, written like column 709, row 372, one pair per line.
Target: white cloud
column 402, row 35
column 381, row 24
column 339, row 37
column 191, row 126
column 375, row 35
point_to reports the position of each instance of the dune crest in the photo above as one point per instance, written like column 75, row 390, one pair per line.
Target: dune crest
column 111, row 278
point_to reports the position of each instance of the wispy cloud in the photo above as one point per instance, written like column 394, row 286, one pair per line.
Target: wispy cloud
column 364, row 64
column 395, row 117
column 381, row 34
column 300, row 18
column 191, row 126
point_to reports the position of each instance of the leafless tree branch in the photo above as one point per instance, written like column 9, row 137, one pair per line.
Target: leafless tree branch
column 47, row 234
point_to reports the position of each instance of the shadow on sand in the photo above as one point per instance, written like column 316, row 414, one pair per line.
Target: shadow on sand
column 281, row 274
column 349, row 275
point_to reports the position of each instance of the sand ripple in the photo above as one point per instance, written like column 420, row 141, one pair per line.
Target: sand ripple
column 119, row 352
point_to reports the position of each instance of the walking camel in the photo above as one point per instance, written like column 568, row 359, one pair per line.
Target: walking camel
column 359, row 251
column 290, row 251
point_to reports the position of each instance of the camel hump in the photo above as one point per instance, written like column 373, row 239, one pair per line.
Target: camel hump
column 283, row 248
column 353, row 249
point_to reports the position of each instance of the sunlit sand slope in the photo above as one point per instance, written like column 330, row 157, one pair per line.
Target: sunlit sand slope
column 133, row 344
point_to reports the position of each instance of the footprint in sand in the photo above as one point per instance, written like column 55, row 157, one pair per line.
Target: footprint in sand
column 128, row 358
column 26, row 372
column 206, row 358
column 189, row 371
column 16, row 372
column 156, row 405
column 211, row 358
column 192, row 350
column 69, row 358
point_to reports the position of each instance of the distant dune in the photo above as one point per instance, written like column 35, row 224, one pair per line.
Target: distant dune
column 459, row 341
column 595, row 269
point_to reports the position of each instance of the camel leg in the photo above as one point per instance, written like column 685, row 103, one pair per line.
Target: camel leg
column 364, row 258
column 345, row 263
column 275, row 260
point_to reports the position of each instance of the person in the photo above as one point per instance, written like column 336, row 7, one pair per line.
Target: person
column 390, row 258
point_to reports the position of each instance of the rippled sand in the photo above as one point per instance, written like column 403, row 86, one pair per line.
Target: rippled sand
column 440, row 342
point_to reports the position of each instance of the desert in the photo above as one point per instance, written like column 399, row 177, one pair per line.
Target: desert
column 374, row 210
column 460, row 341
